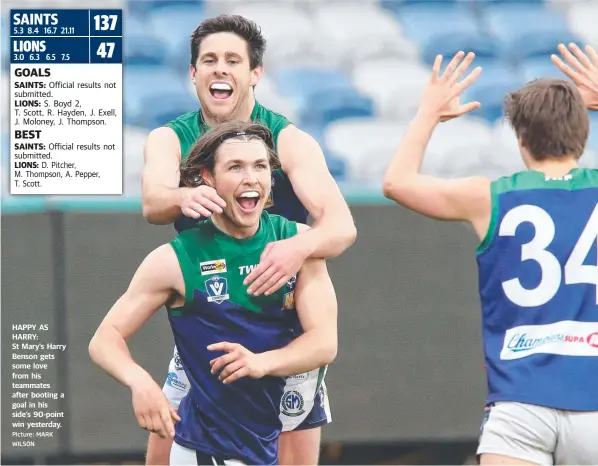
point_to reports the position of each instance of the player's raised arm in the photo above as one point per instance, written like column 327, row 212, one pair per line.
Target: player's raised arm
column 157, row 280
column 162, row 198
column 582, row 69
column 466, row 199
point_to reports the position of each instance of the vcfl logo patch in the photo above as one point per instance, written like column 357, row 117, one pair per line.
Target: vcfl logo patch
column 217, row 289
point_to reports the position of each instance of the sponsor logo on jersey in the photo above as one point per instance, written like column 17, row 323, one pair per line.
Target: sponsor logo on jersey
column 212, row 267
column 173, row 381
column 592, row 340
column 178, row 365
column 288, row 301
column 217, row 289
column 568, row 338
column 297, row 378
column 292, row 404
column 246, row 269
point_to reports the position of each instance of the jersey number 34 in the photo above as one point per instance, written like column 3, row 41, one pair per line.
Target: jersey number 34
column 575, row 271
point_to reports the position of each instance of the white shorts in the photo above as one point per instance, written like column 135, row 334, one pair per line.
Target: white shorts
column 540, row 435
column 304, row 404
column 180, row 455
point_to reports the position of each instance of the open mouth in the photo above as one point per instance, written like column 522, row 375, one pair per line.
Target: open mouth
column 248, row 201
column 221, row 91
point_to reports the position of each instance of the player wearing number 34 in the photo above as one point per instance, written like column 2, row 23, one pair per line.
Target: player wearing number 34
column 537, row 260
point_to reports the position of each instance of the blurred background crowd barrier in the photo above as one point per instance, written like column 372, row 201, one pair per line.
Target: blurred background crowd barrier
column 408, row 385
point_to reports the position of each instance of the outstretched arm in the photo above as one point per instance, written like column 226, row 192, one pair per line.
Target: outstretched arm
column 333, row 229
column 466, row 199
column 156, row 281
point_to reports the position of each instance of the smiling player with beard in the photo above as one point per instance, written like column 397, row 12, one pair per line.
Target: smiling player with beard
column 236, row 348
column 226, row 64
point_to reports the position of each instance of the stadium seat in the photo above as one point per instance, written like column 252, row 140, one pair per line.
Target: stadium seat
column 540, row 67
column 490, row 90
column 504, row 149
column 173, row 25
column 349, row 32
column 593, row 139
column 300, row 83
column 337, row 167
column 159, row 109
column 5, row 24
column 445, row 30
column 524, row 31
column 327, row 106
column 289, row 28
column 141, row 83
column 269, row 97
column 582, row 19
column 457, row 148
column 394, row 85
column 143, row 50
column 145, row 7
column 365, row 144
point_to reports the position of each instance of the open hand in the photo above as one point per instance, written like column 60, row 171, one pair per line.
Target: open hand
column 582, row 69
column 238, row 362
column 278, row 263
column 441, row 96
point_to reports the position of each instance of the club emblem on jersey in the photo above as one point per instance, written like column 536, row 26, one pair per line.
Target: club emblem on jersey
column 291, row 282
column 292, row 404
column 269, row 201
column 217, row 289
column 212, row 267
column 288, row 301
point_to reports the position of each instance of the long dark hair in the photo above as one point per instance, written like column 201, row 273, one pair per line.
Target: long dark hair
column 201, row 156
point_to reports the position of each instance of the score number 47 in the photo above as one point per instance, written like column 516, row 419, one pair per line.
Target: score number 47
column 105, row 23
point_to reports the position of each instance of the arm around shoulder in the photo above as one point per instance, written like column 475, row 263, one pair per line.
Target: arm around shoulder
column 161, row 196
column 304, row 163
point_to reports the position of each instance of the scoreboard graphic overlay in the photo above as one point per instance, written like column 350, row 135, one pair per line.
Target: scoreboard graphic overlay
column 66, row 81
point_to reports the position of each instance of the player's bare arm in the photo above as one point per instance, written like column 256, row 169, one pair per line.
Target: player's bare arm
column 158, row 281
column 582, row 69
column 162, row 198
column 333, row 230
column 317, row 309
column 464, row 199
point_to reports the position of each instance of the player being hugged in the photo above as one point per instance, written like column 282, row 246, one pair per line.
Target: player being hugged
column 226, row 63
column 236, row 348
column 538, row 276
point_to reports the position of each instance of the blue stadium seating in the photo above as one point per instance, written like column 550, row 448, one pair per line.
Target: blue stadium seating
column 144, row 50
column 337, row 167
column 524, row 31
column 445, row 30
column 5, row 43
column 324, row 107
column 142, row 7
column 300, row 83
column 540, row 67
column 141, row 85
column 166, row 106
column 186, row 18
column 490, row 90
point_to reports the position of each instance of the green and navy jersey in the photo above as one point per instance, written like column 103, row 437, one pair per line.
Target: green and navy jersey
column 283, row 200
column 238, row 420
column 538, row 283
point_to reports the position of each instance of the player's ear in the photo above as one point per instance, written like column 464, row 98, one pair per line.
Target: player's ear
column 192, row 72
column 207, row 177
column 256, row 74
